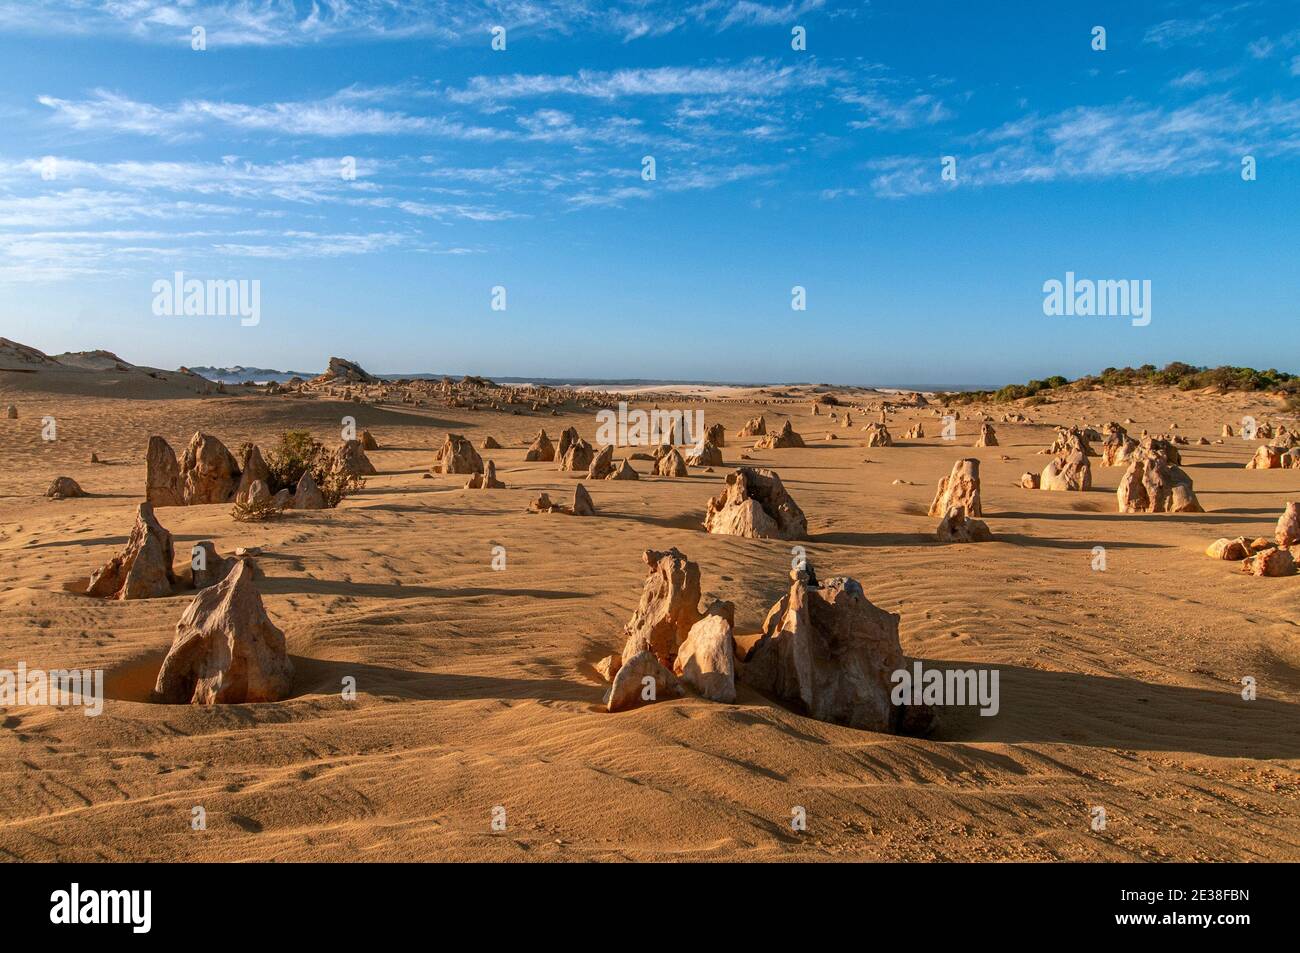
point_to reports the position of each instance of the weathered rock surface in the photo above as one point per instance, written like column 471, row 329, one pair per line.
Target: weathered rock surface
column 1287, row 532
column 1270, row 562
column 254, row 469
column 143, row 569
column 623, row 471
column 878, row 435
column 602, row 465
column 957, row 527
column 987, row 437
column 828, row 648
column 1071, row 472
column 707, row 456
column 582, row 505
column 209, row 474
column 1266, row 458
column 754, row 427
column 541, row 449
column 960, row 488
column 785, row 439
column 669, row 607
column 1231, row 549
column 755, row 505
column 1150, row 485
column 457, row 455
column 226, row 649
column 307, row 495
column 162, row 474
column 487, row 480
column 671, row 464
column 207, row 566
column 640, row 680
column 63, row 488
column 707, row 659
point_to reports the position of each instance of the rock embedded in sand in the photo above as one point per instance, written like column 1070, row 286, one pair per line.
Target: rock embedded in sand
column 602, row 465
column 707, row 456
column 623, row 471
column 582, row 505
column 915, row 432
column 608, row 667
column 487, row 480
column 207, row 566
column 1071, row 472
column 143, row 569
column 307, row 495
column 368, row 441
column 878, row 435
column 640, row 680
column 162, row 474
column 350, row 459
column 785, row 439
column 1151, row 485
column 827, row 647
column 1287, row 532
column 11, row 412
column 754, row 427
column 957, row 527
column 755, row 505
column 960, row 488
column 209, row 474
column 574, row 453
column 226, row 650
column 707, row 659
column 1265, row 458
column 541, row 449
column 1270, row 562
column 716, row 434
column 669, row 607
column 253, row 470
column 457, row 455
column 63, row 488
column 987, row 437
column 1229, row 549
column 1029, row 481
column 671, row 464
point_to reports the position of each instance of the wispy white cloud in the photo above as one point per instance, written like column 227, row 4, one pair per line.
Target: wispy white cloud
column 327, row 118
column 1124, row 140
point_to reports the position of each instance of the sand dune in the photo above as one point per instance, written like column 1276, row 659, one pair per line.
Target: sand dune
column 1119, row 688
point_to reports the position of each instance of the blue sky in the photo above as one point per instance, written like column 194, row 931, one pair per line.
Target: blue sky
column 775, row 167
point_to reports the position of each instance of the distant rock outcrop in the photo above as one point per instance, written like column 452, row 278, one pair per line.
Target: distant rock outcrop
column 343, row 371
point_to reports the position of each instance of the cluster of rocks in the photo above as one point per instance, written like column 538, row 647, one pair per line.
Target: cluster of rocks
column 785, row 438
column 209, row 473
column 824, row 649
column 1262, row 556
column 1069, row 469
column 1154, row 483
column 878, row 435
column 145, row 567
column 1274, row 457
column 582, row 504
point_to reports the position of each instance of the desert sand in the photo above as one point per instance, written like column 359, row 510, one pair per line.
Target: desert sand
column 476, row 687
